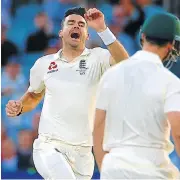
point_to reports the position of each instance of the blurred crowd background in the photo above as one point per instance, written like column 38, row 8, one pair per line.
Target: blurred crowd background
column 29, row 30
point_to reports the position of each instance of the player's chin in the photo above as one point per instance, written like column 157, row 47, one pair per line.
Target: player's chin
column 75, row 43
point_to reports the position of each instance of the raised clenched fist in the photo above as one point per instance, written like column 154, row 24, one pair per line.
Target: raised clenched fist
column 13, row 108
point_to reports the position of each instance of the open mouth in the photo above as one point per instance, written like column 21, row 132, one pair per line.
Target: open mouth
column 75, row 35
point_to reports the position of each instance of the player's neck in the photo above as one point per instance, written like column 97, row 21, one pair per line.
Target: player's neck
column 71, row 53
column 155, row 50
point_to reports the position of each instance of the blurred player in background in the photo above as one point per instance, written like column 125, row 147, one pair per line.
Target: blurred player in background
column 68, row 79
column 138, row 102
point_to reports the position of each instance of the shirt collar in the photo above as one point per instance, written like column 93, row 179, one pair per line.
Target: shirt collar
column 146, row 55
column 58, row 55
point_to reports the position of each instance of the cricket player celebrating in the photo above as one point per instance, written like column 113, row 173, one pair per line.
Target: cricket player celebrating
column 138, row 101
column 68, row 79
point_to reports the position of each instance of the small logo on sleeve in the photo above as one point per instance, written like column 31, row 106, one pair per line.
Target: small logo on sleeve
column 52, row 67
column 82, row 67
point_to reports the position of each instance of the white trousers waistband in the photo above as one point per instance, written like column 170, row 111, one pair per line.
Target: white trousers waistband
column 44, row 142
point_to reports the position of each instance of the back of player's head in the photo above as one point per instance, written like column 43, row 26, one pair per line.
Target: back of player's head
column 77, row 10
column 164, row 26
column 161, row 29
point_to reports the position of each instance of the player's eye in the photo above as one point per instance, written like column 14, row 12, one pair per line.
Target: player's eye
column 81, row 24
column 70, row 23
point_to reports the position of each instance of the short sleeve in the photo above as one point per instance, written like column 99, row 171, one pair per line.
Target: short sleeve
column 104, row 92
column 36, row 78
column 172, row 101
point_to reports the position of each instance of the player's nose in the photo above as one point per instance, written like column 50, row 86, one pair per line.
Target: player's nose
column 76, row 27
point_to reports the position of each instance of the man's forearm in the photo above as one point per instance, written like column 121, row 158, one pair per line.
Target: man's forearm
column 99, row 153
column 174, row 120
column 117, row 51
column 30, row 100
column 98, row 136
column 96, row 20
column 177, row 144
column 115, row 48
column 177, row 147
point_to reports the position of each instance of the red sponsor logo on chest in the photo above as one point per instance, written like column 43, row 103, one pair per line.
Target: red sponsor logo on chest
column 52, row 66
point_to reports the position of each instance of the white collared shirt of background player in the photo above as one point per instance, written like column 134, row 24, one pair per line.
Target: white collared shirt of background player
column 137, row 95
column 69, row 97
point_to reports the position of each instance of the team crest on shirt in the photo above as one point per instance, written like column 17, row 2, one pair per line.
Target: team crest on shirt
column 52, row 67
column 82, row 67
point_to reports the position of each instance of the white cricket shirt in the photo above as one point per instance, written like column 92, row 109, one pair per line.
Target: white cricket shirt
column 136, row 94
column 70, row 90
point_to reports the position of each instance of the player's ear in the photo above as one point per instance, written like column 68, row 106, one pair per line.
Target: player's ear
column 169, row 47
column 142, row 39
column 143, row 36
column 60, row 33
column 88, row 36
